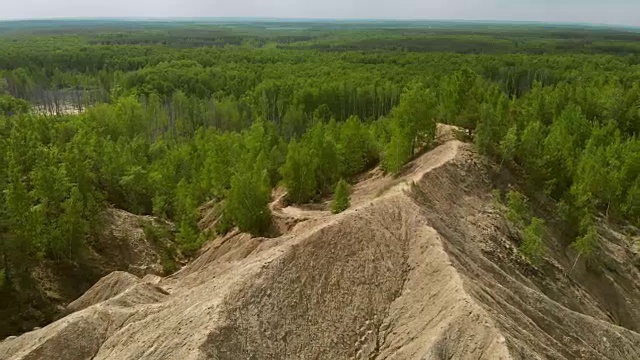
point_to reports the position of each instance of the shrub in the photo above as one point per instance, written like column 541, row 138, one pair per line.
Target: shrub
column 161, row 237
column 224, row 223
column 248, row 200
column 587, row 244
column 342, row 197
column 532, row 246
column 517, row 208
column 168, row 262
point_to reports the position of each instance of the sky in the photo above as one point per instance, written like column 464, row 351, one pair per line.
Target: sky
column 613, row 12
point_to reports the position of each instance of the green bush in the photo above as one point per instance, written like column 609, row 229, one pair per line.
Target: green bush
column 248, row 201
column 188, row 238
column 532, row 246
column 224, row 223
column 161, row 237
column 168, row 262
column 518, row 209
column 587, row 244
column 342, row 197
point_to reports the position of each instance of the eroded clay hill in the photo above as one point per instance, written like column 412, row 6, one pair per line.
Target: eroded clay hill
column 138, row 244
column 421, row 267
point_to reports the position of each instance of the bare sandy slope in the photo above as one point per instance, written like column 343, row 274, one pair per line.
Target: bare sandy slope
column 421, row 267
column 121, row 244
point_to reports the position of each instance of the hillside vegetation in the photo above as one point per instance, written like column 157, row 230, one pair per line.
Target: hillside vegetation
column 423, row 265
column 160, row 129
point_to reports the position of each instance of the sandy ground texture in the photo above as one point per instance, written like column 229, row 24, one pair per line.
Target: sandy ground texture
column 422, row 266
column 123, row 243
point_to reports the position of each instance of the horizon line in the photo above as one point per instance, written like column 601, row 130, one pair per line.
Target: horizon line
column 321, row 19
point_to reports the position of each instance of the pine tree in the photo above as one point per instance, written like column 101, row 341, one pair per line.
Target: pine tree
column 248, row 198
column 517, row 208
column 508, row 145
column 324, row 154
column 416, row 115
column 532, row 246
column 73, row 225
column 298, row 173
column 398, row 151
column 293, row 123
column 186, row 213
column 530, row 150
column 562, row 148
column 341, row 198
column 356, row 147
column 460, row 98
column 587, row 244
column 22, row 222
column 631, row 206
column 492, row 126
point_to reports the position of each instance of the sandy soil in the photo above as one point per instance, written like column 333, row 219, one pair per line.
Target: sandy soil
column 121, row 244
column 422, row 266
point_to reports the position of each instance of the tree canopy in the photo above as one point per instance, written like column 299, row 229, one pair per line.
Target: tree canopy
column 161, row 124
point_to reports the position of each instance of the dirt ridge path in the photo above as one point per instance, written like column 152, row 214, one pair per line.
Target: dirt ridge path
column 420, row 267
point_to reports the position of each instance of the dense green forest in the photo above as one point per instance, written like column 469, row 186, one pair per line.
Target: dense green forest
column 160, row 118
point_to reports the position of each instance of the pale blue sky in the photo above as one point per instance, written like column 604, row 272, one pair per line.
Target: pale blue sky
column 621, row 12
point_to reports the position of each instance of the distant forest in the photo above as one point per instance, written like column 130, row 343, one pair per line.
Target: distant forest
column 161, row 117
